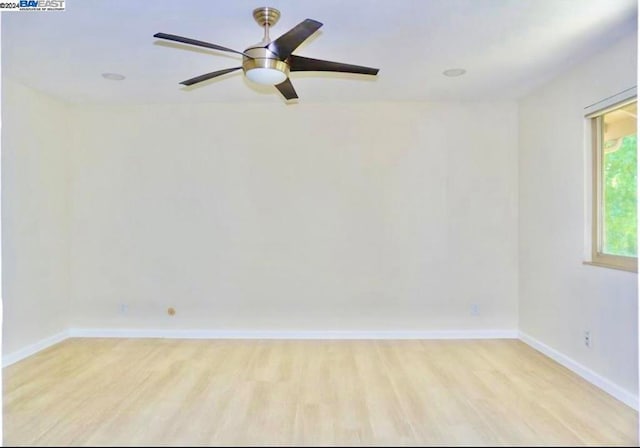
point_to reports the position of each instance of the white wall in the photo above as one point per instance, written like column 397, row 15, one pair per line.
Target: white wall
column 380, row 216
column 559, row 296
column 35, row 216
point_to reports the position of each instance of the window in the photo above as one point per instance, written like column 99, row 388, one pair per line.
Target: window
column 614, row 207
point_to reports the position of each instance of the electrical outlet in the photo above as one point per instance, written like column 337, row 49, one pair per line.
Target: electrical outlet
column 587, row 338
column 124, row 308
column 475, row 309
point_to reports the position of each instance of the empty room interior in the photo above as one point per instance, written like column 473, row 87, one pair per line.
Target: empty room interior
column 327, row 223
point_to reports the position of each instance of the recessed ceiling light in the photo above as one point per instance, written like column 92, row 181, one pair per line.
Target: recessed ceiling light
column 113, row 76
column 453, row 72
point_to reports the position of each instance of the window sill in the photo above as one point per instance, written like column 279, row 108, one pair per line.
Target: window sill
column 610, row 266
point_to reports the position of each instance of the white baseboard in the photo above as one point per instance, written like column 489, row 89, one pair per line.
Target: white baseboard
column 32, row 349
column 271, row 334
column 612, row 389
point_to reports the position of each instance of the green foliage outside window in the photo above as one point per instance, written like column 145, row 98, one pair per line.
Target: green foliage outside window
column 620, row 199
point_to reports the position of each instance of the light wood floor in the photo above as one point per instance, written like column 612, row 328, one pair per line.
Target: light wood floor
column 194, row 392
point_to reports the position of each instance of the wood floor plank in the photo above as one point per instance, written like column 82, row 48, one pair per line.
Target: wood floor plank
column 151, row 392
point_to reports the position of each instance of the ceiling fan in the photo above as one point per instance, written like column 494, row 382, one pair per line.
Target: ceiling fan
column 270, row 61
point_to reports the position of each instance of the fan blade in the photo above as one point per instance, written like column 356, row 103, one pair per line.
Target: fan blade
column 201, row 78
column 287, row 90
column 302, row 64
column 199, row 43
column 284, row 45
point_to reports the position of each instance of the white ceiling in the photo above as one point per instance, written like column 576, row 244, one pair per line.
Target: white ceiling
column 506, row 46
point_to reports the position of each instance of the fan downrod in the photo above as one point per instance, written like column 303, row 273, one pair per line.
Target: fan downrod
column 266, row 16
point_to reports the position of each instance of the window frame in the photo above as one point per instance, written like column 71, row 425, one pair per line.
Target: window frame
column 598, row 257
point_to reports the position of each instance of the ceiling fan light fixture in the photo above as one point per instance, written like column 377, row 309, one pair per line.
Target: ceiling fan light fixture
column 266, row 76
column 263, row 67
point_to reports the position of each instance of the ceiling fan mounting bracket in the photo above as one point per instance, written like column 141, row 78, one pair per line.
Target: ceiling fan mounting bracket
column 266, row 16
